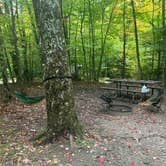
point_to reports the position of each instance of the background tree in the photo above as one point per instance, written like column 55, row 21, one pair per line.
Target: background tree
column 15, row 53
column 3, row 68
column 136, row 41
column 95, row 36
column 61, row 116
column 164, row 45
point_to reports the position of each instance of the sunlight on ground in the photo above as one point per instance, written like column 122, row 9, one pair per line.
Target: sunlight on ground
column 10, row 81
column 104, row 80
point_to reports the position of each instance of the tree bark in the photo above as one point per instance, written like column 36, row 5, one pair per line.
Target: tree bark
column 61, row 116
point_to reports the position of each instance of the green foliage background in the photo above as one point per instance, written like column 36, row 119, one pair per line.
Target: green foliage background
column 149, row 24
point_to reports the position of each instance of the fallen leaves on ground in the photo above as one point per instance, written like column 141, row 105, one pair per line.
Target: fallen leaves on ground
column 144, row 104
column 132, row 164
column 113, row 139
column 101, row 159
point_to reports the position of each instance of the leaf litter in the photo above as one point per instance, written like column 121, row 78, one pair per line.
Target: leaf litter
column 137, row 138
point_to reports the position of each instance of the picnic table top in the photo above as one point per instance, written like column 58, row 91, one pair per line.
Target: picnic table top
column 119, row 80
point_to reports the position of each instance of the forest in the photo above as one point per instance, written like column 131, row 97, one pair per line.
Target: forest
column 82, row 82
column 104, row 39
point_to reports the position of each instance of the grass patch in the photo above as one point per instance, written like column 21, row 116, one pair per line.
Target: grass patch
column 40, row 138
column 3, row 147
column 83, row 141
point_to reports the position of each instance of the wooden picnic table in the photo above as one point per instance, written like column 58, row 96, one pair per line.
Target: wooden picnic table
column 146, row 82
column 151, row 84
column 133, row 86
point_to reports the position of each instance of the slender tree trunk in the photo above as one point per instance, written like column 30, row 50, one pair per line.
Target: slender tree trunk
column 31, row 64
column 16, row 54
column 11, row 52
column 90, row 50
column 102, row 40
column 159, row 62
column 68, row 38
column 123, row 73
column 159, row 68
column 23, row 38
column 153, row 33
column 36, row 6
column 6, row 91
column 9, row 66
column 104, row 36
column 164, row 45
column 92, row 32
column 136, row 41
column 32, row 22
column 67, row 26
column 25, row 67
column 58, row 86
column 76, row 74
column 83, row 44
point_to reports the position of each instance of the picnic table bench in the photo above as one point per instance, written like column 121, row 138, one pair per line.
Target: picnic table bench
column 118, row 91
column 133, row 87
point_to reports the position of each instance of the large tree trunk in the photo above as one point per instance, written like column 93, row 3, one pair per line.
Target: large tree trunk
column 58, row 85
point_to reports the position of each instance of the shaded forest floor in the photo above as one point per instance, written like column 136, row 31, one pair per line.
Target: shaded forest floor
column 111, row 139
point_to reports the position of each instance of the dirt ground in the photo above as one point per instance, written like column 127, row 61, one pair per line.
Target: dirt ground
column 136, row 138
